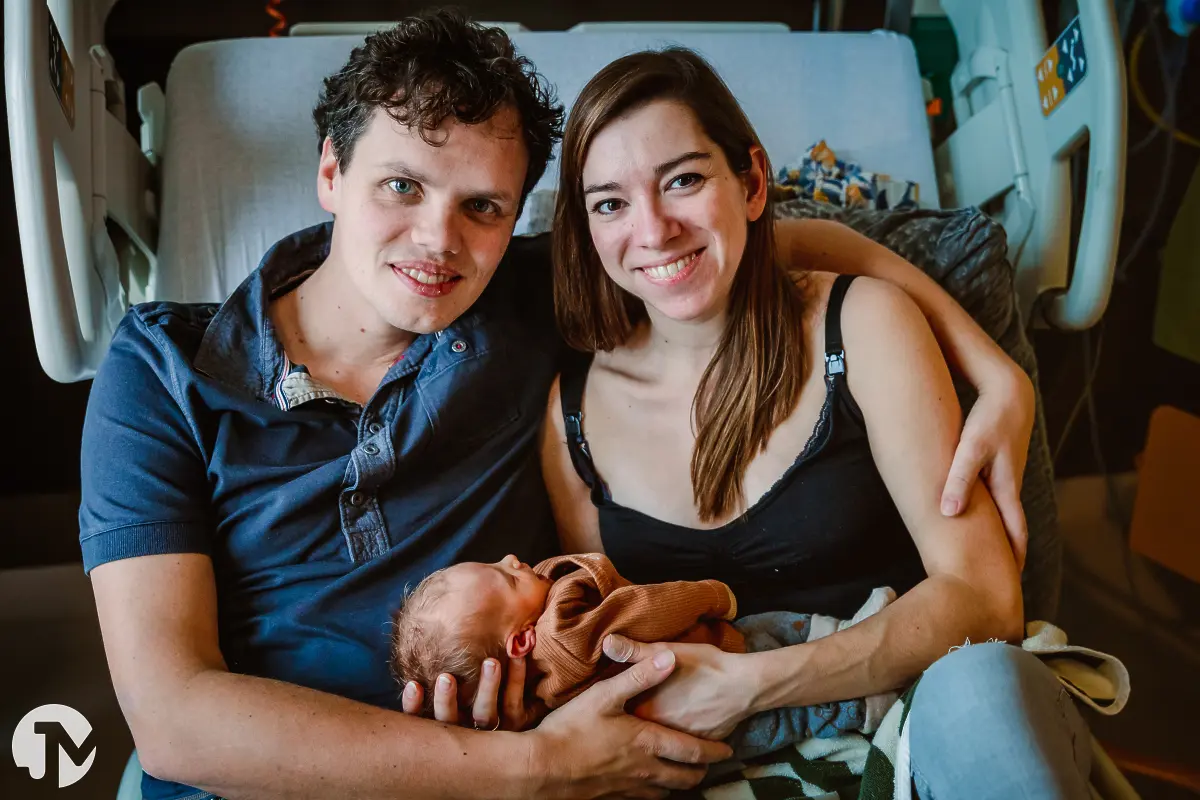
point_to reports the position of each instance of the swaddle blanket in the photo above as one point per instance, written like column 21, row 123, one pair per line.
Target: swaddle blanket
column 877, row 767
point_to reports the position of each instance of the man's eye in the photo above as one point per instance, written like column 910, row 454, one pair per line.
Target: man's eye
column 484, row 207
column 401, row 186
column 685, row 181
column 605, row 207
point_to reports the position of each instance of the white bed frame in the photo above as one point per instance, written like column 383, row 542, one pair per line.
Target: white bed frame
column 87, row 199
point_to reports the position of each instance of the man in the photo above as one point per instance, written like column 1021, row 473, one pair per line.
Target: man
column 261, row 480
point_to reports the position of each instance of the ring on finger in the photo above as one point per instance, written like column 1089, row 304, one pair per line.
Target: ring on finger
column 484, row 727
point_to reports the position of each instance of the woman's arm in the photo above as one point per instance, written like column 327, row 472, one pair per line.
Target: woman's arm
column 902, row 385
column 996, row 437
column 570, row 498
column 900, row 381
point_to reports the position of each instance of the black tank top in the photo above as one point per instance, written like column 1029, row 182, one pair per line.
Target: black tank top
column 819, row 541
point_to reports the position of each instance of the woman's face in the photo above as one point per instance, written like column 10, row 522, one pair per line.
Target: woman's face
column 667, row 213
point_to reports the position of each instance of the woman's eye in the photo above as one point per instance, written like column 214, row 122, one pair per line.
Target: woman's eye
column 605, row 207
column 685, row 181
column 401, row 186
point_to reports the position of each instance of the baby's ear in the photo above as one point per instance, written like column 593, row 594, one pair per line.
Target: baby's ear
column 521, row 643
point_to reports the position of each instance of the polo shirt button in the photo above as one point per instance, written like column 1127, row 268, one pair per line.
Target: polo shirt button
column 374, row 427
column 358, row 499
column 458, row 346
column 371, row 449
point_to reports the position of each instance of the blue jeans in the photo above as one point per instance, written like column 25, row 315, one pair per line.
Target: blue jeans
column 992, row 721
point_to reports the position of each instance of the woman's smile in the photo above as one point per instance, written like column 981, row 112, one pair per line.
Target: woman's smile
column 672, row 272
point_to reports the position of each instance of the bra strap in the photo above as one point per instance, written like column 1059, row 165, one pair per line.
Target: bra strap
column 571, row 383
column 835, row 353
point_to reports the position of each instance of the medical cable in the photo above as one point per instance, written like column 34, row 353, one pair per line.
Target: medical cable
column 276, row 14
column 1171, row 83
column 1139, row 94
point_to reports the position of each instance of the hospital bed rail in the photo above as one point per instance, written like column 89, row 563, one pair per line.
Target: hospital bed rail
column 1007, row 105
column 84, row 187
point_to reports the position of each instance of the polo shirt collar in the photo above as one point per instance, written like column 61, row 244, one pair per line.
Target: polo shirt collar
column 240, row 347
column 241, row 350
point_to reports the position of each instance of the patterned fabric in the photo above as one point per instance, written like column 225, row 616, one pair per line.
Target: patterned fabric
column 847, row 766
column 879, row 768
column 821, row 176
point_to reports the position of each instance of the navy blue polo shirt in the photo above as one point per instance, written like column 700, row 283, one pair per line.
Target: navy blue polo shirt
column 202, row 437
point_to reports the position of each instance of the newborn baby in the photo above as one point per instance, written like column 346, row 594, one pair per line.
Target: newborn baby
column 558, row 613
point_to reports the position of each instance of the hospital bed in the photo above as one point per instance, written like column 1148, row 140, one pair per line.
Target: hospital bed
column 224, row 162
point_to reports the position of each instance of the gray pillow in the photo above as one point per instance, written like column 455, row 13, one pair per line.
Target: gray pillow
column 965, row 251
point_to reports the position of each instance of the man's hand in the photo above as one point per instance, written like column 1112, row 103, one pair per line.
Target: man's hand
column 516, row 716
column 604, row 751
column 995, row 445
column 707, row 697
column 601, row 751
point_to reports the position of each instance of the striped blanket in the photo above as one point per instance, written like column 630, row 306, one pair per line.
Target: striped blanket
column 841, row 768
column 877, row 768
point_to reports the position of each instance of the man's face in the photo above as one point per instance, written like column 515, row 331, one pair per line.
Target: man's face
column 420, row 229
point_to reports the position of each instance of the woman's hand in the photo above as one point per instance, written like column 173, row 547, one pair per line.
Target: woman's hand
column 707, row 696
column 995, row 445
column 591, row 747
column 516, row 716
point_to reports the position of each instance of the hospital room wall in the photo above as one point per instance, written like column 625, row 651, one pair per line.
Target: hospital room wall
column 40, row 478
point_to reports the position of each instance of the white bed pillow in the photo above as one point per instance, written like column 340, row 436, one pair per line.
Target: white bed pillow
column 241, row 151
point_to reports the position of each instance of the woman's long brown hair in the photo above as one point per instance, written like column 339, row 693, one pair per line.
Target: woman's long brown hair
column 753, row 382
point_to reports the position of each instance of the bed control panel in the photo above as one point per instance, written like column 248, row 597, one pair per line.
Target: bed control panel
column 62, row 73
column 1062, row 68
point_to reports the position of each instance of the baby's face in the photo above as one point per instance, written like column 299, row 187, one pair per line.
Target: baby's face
column 509, row 594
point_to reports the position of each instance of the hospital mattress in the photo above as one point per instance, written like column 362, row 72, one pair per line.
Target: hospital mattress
column 240, row 149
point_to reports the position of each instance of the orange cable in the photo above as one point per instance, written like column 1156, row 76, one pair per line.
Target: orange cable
column 280, row 20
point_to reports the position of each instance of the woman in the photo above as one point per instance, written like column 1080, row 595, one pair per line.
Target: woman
column 787, row 436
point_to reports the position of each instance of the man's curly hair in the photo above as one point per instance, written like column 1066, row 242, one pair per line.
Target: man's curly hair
column 433, row 66
column 424, row 647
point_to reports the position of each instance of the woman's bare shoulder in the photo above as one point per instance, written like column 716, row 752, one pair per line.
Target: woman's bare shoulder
column 883, row 326
column 872, row 307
